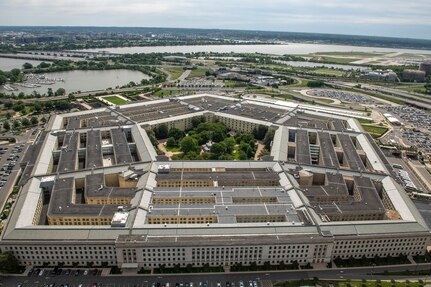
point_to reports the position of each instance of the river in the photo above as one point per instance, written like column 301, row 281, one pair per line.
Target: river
column 291, row 49
column 7, row 64
column 86, row 81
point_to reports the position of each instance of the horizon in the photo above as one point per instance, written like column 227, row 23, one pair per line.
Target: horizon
column 215, row 29
column 381, row 18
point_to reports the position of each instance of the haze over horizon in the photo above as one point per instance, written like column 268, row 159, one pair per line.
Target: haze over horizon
column 395, row 18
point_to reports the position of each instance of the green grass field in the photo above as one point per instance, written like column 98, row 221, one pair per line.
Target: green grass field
column 175, row 72
column 235, row 84
column 335, row 60
column 164, row 93
column 375, row 131
column 331, row 72
column 197, row 73
column 362, row 121
column 115, row 100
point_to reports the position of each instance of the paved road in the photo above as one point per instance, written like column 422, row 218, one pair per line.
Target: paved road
column 261, row 277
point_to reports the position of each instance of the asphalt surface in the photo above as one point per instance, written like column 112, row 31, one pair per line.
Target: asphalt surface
column 263, row 279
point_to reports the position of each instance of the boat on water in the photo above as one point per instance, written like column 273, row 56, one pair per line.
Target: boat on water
column 9, row 88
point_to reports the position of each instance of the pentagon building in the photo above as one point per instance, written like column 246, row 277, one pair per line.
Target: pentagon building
column 94, row 190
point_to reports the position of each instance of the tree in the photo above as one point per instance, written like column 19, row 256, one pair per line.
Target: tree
column 242, row 155
column 3, row 79
column 260, row 131
column 16, row 124
column 6, row 126
column 175, row 133
column 62, row 105
column 27, row 66
column 37, row 107
column 44, row 65
column 60, row 92
column 230, row 144
column 19, row 106
column 269, row 135
column 25, row 122
column 197, row 120
column 171, row 142
column 189, row 144
column 218, row 149
column 8, row 105
column 34, row 121
column 162, row 131
column 50, row 93
column 315, row 84
column 8, row 263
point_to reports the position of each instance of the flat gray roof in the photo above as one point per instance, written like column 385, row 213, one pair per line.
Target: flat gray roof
column 94, row 149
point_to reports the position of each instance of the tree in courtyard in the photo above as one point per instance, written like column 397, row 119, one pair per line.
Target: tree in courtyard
column 171, row 142
column 162, row 131
column 260, row 131
column 218, row 149
column 189, row 144
column 175, row 133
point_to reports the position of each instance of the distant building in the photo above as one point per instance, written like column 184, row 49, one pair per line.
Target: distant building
column 233, row 76
column 413, row 76
column 426, row 67
column 393, row 120
column 175, row 59
column 380, row 75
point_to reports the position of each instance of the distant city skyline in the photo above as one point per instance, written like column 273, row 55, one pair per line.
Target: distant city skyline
column 391, row 18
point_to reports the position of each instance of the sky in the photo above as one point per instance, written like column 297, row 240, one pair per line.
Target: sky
column 394, row 18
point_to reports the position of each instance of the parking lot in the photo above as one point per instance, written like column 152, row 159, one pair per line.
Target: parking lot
column 418, row 139
column 343, row 96
column 10, row 156
column 90, row 278
column 413, row 116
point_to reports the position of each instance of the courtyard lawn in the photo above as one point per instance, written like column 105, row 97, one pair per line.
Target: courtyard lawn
column 115, row 100
column 374, row 131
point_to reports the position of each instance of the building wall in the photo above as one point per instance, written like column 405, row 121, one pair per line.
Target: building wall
column 321, row 250
column 383, row 247
column 39, row 206
column 181, row 219
column 107, row 200
column 75, row 220
column 68, row 253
